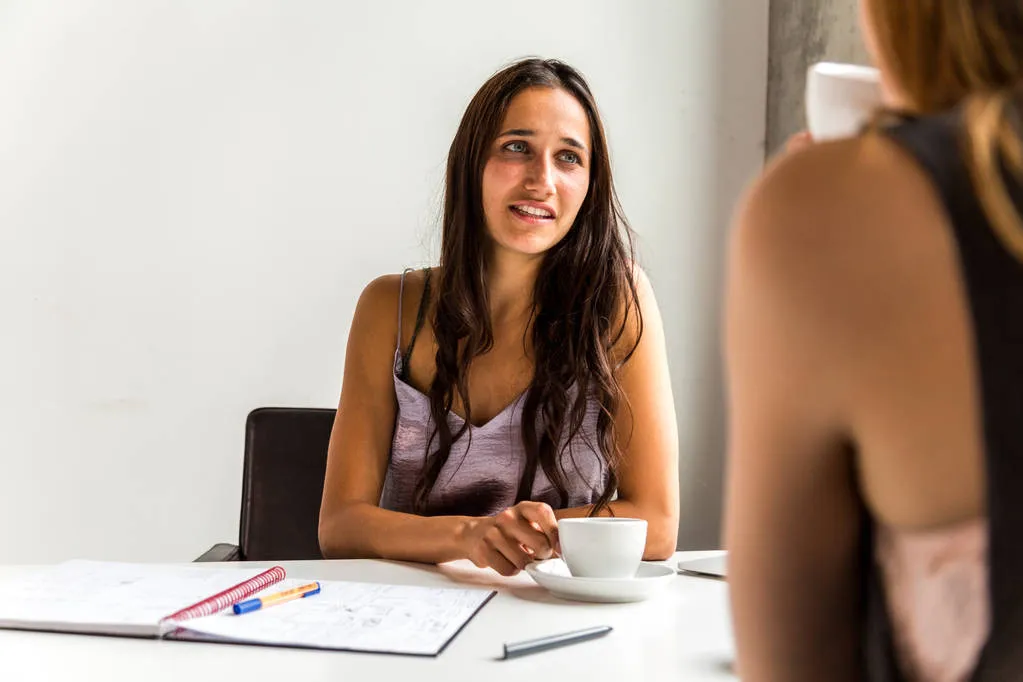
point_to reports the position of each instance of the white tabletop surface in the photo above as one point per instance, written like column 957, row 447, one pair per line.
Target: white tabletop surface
column 683, row 633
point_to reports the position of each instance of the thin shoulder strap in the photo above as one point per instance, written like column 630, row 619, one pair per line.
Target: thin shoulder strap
column 401, row 297
column 420, row 318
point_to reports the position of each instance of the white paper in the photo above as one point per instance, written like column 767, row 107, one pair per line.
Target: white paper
column 352, row 616
column 107, row 597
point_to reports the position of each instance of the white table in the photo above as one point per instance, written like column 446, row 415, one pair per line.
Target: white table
column 682, row 634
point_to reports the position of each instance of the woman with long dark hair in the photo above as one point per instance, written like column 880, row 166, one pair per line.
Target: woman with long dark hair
column 875, row 352
column 525, row 378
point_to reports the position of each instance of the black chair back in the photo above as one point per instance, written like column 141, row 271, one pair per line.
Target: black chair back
column 282, row 482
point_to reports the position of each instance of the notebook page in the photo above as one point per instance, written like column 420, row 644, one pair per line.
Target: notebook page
column 107, row 597
column 351, row 616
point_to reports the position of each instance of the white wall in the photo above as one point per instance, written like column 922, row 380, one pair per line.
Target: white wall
column 193, row 193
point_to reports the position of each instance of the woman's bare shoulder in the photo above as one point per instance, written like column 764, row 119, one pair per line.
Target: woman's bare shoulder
column 839, row 209
column 383, row 292
column 638, row 315
column 378, row 306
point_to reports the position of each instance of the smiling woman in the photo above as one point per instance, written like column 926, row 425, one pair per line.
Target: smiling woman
column 538, row 172
column 530, row 383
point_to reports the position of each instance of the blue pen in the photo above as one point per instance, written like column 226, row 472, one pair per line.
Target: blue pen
column 257, row 603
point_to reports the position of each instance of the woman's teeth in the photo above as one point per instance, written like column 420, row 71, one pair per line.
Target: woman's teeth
column 530, row 211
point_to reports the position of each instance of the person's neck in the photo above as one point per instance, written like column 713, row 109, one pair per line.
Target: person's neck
column 511, row 280
column 892, row 97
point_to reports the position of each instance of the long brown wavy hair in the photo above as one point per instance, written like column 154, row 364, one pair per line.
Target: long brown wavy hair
column 584, row 299
column 946, row 53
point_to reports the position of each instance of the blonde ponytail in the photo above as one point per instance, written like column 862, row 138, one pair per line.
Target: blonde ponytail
column 943, row 53
column 992, row 142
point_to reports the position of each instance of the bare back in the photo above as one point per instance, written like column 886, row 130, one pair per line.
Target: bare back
column 910, row 375
column 871, row 306
column 860, row 405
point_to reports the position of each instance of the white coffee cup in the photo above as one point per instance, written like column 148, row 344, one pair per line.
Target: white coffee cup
column 602, row 547
column 840, row 99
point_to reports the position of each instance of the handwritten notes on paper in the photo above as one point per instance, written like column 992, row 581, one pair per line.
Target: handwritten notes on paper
column 353, row 616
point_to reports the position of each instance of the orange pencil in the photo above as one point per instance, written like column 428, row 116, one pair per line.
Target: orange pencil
column 257, row 603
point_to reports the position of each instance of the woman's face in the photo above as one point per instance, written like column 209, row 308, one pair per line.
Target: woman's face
column 537, row 172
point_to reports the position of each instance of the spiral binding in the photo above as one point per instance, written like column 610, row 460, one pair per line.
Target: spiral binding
column 222, row 600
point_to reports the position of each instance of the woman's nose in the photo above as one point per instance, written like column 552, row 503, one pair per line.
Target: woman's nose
column 540, row 177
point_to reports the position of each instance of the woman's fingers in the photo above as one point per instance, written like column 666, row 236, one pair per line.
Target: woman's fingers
column 505, row 551
column 534, row 525
column 517, row 536
column 521, row 532
column 798, row 141
column 500, row 563
column 542, row 518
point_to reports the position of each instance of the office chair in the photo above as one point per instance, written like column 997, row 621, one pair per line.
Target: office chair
column 282, row 483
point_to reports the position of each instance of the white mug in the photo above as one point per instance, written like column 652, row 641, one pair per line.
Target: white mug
column 840, row 99
column 602, row 547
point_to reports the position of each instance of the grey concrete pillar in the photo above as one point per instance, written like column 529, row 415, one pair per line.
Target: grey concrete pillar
column 801, row 33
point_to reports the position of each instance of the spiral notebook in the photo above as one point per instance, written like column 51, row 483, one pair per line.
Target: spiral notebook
column 191, row 603
column 134, row 600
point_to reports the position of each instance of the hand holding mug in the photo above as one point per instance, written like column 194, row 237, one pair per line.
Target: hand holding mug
column 798, row 141
column 513, row 538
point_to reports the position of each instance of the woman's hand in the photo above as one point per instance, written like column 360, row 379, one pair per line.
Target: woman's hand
column 798, row 141
column 513, row 538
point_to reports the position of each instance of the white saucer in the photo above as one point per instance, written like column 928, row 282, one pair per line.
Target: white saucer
column 554, row 575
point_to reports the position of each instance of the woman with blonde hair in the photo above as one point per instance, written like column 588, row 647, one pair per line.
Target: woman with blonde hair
column 874, row 511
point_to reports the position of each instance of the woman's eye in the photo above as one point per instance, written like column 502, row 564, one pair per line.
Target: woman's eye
column 570, row 157
column 517, row 147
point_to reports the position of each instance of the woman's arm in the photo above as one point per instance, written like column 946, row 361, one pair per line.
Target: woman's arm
column 792, row 508
column 352, row 524
column 647, row 434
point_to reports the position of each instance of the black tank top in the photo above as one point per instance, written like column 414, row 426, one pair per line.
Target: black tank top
column 994, row 284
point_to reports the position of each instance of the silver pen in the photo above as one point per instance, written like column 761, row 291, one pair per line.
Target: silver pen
column 532, row 646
